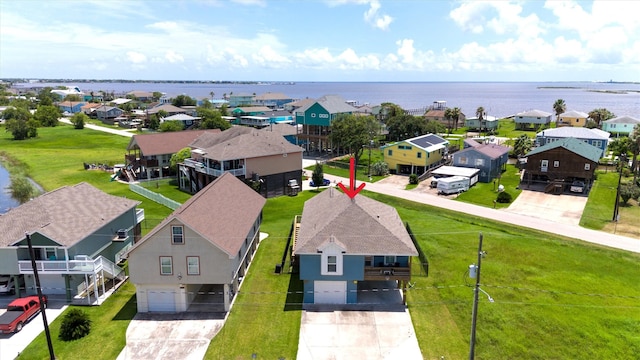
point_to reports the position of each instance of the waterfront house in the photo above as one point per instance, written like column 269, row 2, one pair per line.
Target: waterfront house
column 342, row 243
column 532, row 119
column 316, row 119
column 144, row 96
column 187, row 121
column 79, row 234
column 264, row 157
column 272, row 100
column 149, row 155
column 415, row 155
column 240, row 100
column 90, row 108
column 595, row 137
column 490, row 159
column 61, row 94
column 71, row 107
column 295, row 105
column 487, row 124
column 198, row 255
column 559, row 163
column 621, row 125
column 572, row 118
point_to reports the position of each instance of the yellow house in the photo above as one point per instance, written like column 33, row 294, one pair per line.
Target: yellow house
column 573, row 118
column 415, row 155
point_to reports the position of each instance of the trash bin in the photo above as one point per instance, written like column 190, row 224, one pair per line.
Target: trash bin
column 278, row 268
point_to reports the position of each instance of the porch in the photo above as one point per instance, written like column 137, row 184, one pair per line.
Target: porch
column 216, row 169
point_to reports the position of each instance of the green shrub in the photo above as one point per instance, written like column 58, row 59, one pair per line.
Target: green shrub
column 504, row 197
column 413, row 179
column 75, row 325
column 379, row 168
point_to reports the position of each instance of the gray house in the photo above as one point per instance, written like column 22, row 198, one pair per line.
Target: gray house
column 595, row 137
column 530, row 120
column 198, row 256
column 490, row 159
column 79, row 234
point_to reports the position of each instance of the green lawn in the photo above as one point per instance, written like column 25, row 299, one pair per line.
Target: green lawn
column 484, row 194
column 555, row 298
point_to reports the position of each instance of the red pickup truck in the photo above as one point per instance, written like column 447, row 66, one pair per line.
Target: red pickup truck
column 19, row 312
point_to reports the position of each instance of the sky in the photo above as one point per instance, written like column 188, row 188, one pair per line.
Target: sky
column 316, row 40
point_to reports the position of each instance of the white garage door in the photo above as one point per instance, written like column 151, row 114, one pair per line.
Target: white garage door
column 330, row 292
column 161, row 300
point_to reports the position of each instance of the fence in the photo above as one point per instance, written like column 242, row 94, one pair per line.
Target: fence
column 160, row 199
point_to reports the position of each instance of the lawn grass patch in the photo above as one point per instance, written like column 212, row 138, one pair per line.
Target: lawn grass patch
column 484, row 194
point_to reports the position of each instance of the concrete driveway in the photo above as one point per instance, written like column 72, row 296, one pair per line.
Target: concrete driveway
column 564, row 208
column 170, row 336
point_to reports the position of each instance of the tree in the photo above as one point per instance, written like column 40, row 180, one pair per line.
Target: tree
column 601, row 114
column 522, row 145
column 211, row 119
column 22, row 189
column 45, row 97
column 224, row 110
column 179, row 157
column 157, row 95
column 171, row 125
column 212, row 94
column 79, row 119
column 184, row 100
column 629, row 191
column 75, row 325
column 404, row 125
column 72, row 97
column 559, row 107
column 47, row 115
column 480, row 113
column 634, row 139
column 318, row 175
column 20, row 123
column 351, row 132
column 452, row 114
column 389, row 110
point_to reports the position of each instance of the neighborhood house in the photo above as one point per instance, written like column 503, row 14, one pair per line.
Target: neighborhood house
column 416, row 155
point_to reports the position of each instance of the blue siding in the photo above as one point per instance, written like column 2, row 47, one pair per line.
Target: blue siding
column 352, row 268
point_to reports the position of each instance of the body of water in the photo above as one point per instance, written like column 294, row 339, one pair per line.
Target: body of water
column 6, row 201
column 499, row 99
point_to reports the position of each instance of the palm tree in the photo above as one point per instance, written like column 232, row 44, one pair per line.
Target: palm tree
column 212, row 94
column 456, row 112
column 600, row 115
column 448, row 114
column 480, row 115
column 559, row 107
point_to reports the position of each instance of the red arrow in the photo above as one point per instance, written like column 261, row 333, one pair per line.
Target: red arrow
column 352, row 191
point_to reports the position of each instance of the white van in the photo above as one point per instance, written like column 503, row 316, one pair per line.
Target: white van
column 8, row 285
column 453, row 185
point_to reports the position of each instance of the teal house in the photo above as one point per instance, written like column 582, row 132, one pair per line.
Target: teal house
column 316, row 118
column 343, row 245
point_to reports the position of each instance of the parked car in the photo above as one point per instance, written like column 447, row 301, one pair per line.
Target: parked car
column 325, row 182
column 19, row 312
column 577, row 187
column 8, row 285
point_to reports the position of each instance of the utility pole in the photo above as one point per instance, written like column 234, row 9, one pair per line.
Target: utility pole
column 52, row 356
column 474, row 315
column 623, row 159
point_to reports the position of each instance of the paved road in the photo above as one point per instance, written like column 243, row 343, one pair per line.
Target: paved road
column 568, row 230
column 103, row 128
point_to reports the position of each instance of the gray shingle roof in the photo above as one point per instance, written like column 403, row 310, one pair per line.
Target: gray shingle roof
column 623, row 120
column 334, row 104
column 492, row 151
column 534, row 113
column 576, row 132
column 574, row 114
column 574, row 145
column 66, row 215
column 364, row 226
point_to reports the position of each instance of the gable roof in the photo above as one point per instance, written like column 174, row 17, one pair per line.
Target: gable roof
column 623, row 120
column 271, row 96
column 493, row 151
column 434, row 113
column 576, row 132
column 168, row 108
column 165, row 143
column 65, row 215
column 282, row 129
column 180, row 117
column 574, row 114
column 334, row 104
column 428, row 141
column 240, row 142
column 223, row 213
column 534, row 113
column 574, row 145
column 363, row 226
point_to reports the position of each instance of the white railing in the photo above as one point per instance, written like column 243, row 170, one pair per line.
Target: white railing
column 81, row 266
column 139, row 215
column 200, row 167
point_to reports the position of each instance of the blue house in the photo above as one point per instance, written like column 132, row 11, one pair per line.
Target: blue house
column 620, row 126
column 71, row 107
column 532, row 119
column 343, row 243
column 490, row 159
column 595, row 137
column 316, row 117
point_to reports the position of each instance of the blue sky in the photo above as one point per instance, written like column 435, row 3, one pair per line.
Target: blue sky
column 333, row 40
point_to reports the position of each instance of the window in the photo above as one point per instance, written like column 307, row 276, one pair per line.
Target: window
column 389, row 260
column 479, row 162
column 597, row 143
column 587, row 166
column 332, row 264
column 556, row 163
column 389, row 152
column 166, row 265
column 177, row 236
column 193, row 265
column 419, row 155
column 462, row 160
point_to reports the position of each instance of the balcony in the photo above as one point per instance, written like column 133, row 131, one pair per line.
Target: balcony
column 139, row 215
column 200, row 167
column 387, row 273
column 82, row 265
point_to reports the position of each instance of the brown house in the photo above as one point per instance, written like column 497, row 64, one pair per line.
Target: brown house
column 149, row 155
column 558, row 164
column 249, row 154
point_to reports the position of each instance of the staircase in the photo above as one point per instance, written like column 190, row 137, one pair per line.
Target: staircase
column 555, row 187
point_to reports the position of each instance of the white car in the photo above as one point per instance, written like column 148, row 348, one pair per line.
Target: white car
column 7, row 284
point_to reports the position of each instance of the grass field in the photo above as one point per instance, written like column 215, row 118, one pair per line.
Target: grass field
column 555, row 298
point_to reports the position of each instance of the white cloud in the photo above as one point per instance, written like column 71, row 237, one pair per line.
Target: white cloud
column 371, row 16
column 406, row 50
column 269, row 58
column 173, row 57
column 136, row 57
column 469, row 16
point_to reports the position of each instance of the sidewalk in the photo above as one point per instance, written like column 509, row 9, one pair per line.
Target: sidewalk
column 102, row 128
